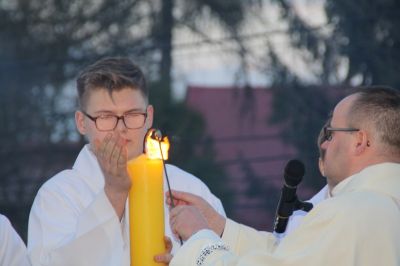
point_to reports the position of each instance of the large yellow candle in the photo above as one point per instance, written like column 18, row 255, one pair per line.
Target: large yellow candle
column 146, row 210
column 146, row 202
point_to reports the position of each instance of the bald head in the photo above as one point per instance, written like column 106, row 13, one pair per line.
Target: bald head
column 366, row 131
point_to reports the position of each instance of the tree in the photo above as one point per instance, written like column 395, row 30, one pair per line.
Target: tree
column 359, row 39
column 369, row 39
column 173, row 14
column 359, row 45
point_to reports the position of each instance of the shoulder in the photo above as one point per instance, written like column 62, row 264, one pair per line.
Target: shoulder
column 7, row 231
column 364, row 201
column 4, row 224
column 371, row 205
column 358, row 209
column 67, row 186
column 359, row 216
column 3, row 219
column 62, row 181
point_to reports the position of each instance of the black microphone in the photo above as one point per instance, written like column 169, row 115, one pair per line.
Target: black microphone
column 293, row 175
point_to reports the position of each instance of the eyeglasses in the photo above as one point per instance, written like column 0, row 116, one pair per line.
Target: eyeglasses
column 328, row 131
column 109, row 122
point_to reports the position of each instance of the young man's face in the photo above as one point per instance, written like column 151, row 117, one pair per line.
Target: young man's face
column 122, row 102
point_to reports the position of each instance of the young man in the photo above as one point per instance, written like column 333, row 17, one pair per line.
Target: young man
column 12, row 248
column 79, row 216
column 357, row 226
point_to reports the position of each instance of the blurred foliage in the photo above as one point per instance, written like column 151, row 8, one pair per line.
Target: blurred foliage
column 368, row 35
column 358, row 45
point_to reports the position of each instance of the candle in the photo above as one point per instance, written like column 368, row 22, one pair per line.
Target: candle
column 146, row 204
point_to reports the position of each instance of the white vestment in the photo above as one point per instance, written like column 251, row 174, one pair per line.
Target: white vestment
column 12, row 248
column 358, row 226
column 72, row 222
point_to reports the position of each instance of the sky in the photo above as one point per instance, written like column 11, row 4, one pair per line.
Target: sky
column 215, row 64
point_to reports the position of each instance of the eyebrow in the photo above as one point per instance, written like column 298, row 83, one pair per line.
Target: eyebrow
column 134, row 110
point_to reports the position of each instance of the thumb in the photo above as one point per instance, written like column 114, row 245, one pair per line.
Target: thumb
column 188, row 198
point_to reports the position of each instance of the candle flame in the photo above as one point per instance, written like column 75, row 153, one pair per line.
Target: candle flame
column 154, row 145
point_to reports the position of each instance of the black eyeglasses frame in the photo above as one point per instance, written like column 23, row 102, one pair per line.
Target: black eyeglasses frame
column 122, row 117
column 328, row 131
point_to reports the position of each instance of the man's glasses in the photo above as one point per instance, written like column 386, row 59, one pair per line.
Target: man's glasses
column 109, row 122
column 329, row 130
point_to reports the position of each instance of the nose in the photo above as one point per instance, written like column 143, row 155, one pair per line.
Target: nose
column 324, row 145
column 120, row 124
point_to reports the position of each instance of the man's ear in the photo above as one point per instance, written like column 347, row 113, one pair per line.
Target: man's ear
column 80, row 122
column 362, row 142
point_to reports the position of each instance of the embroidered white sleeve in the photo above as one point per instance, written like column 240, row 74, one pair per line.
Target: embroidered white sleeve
column 207, row 250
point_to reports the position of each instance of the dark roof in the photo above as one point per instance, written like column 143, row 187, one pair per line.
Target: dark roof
column 240, row 127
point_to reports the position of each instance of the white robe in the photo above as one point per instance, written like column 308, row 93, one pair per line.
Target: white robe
column 72, row 221
column 12, row 248
column 357, row 226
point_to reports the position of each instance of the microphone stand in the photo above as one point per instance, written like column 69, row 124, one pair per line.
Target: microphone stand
column 282, row 221
column 302, row 205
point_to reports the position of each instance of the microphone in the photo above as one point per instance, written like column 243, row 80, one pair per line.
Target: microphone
column 293, row 175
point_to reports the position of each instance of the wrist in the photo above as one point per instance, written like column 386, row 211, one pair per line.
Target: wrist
column 219, row 225
column 117, row 187
column 114, row 192
column 117, row 200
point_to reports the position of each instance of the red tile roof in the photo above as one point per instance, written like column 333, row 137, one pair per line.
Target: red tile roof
column 240, row 127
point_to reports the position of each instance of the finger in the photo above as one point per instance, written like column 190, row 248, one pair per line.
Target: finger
column 176, row 211
column 175, row 202
column 172, row 223
column 180, row 203
column 101, row 150
column 111, row 151
column 168, row 243
column 173, row 220
column 186, row 197
column 96, row 146
column 123, row 155
column 172, row 201
column 115, row 154
column 163, row 258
